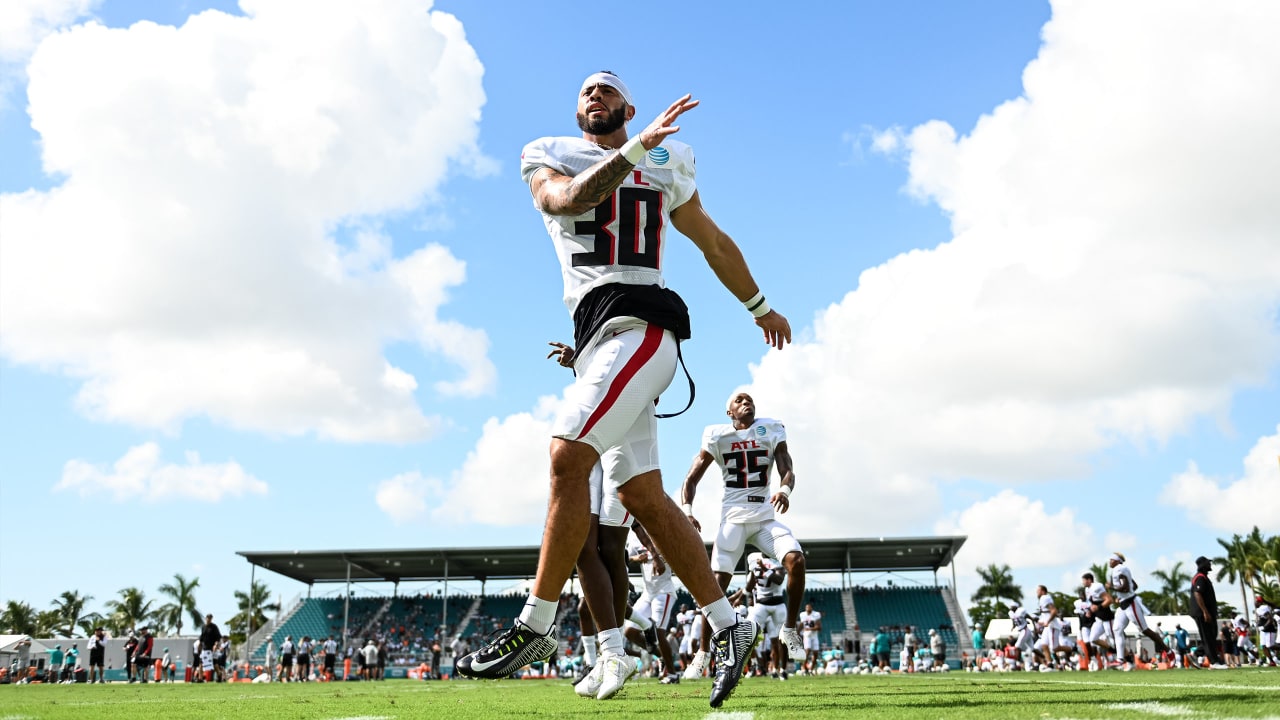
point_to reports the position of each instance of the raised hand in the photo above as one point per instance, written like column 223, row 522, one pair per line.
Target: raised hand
column 562, row 353
column 658, row 130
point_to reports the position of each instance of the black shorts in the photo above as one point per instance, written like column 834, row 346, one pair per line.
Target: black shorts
column 286, row 659
column 328, row 662
column 220, row 661
column 96, row 657
column 304, row 660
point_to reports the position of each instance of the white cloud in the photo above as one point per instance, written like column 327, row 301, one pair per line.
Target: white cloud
column 196, row 261
column 1233, row 505
column 140, row 473
column 24, row 23
column 1014, row 530
column 504, row 480
column 1112, row 275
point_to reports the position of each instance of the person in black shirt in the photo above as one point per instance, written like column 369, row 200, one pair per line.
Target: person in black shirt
column 1204, row 610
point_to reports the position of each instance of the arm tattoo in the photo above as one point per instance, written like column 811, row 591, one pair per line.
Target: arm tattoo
column 590, row 187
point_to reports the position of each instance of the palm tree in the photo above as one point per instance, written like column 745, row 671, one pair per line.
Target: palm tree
column 70, row 606
column 130, row 612
column 48, row 623
column 1234, row 566
column 182, row 592
column 18, row 618
column 1100, row 571
column 258, row 599
column 997, row 583
column 89, row 623
column 1173, row 585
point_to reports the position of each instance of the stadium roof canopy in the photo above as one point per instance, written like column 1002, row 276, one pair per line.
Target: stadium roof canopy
column 493, row 563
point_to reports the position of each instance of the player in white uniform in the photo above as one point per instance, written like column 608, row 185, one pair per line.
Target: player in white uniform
column 655, row 604
column 688, row 619
column 765, row 582
column 811, row 627
column 1244, row 643
column 1125, row 591
column 607, row 201
column 746, row 450
column 1265, row 617
column 1050, row 629
column 1024, row 633
column 1082, row 610
column 1102, row 634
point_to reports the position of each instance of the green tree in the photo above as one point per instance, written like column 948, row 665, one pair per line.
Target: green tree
column 88, row 623
column 983, row 611
column 182, row 595
column 1235, row 566
column 257, row 600
column 18, row 618
column 130, row 612
column 1099, row 571
column 70, row 607
column 997, row 584
column 1171, row 598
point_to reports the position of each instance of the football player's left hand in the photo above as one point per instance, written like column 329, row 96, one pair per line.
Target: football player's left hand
column 780, row 502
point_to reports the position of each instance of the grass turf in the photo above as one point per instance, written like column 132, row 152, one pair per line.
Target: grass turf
column 1201, row 695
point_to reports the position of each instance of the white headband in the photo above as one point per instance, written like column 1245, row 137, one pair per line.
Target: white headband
column 1117, row 557
column 613, row 81
column 728, row 405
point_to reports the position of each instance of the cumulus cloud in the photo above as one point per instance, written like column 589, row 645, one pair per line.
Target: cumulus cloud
column 1233, row 505
column 502, row 481
column 24, row 23
column 141, row 474
column 215, row 246
column 1112, row 273
column 1014, row 530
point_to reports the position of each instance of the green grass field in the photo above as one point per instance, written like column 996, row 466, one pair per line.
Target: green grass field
column 1199, row 695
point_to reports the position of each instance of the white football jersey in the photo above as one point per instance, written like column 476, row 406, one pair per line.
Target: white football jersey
column 1122, row 585
column 622, row 239
column 1082, row 608
column 1046, row 606
column 764, row 590
column 809, row 620
column 745, row 458
column 1019, row 617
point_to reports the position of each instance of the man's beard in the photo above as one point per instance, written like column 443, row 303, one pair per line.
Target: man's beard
column 606, row 125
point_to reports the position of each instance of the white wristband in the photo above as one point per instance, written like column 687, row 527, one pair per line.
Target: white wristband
column 688, row 509
column 633, row 150
column 785, row 490
column 757, row 305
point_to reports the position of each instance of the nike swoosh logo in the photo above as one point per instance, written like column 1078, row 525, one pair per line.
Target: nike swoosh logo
column 616, row 333
column 482, row 666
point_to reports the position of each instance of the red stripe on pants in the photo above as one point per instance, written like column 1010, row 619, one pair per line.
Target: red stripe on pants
column 648, row 347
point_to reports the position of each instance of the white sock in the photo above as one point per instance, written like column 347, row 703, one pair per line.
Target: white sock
column 539, row 614
column 611, row 641
column 589, row 649
column 720, row 614
column 640, row 621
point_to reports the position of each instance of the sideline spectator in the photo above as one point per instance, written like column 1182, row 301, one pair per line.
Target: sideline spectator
column 97, row 654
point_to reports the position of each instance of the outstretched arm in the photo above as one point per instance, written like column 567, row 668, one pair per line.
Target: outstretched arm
column 725, row 259
column 701, row 462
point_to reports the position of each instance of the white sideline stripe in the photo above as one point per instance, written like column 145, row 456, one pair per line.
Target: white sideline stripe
column 1201, row 686
column 730, row 716
column 1154, row 708
column 367, row 717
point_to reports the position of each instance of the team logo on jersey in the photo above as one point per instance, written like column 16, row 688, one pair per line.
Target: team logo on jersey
column 659, row 156
column 761, row 431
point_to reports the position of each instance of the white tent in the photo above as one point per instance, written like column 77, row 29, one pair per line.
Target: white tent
column 12, row 646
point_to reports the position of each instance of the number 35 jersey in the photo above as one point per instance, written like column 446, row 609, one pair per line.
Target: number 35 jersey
column 745, row 458
column 622, row 239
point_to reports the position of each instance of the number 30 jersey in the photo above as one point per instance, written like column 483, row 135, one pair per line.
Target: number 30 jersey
column 745, row 458
column 622, row 239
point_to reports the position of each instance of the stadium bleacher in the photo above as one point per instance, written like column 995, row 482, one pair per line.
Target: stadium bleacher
column 896, row 608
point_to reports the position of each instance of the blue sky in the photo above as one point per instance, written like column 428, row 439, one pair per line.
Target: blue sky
column 269, row 278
